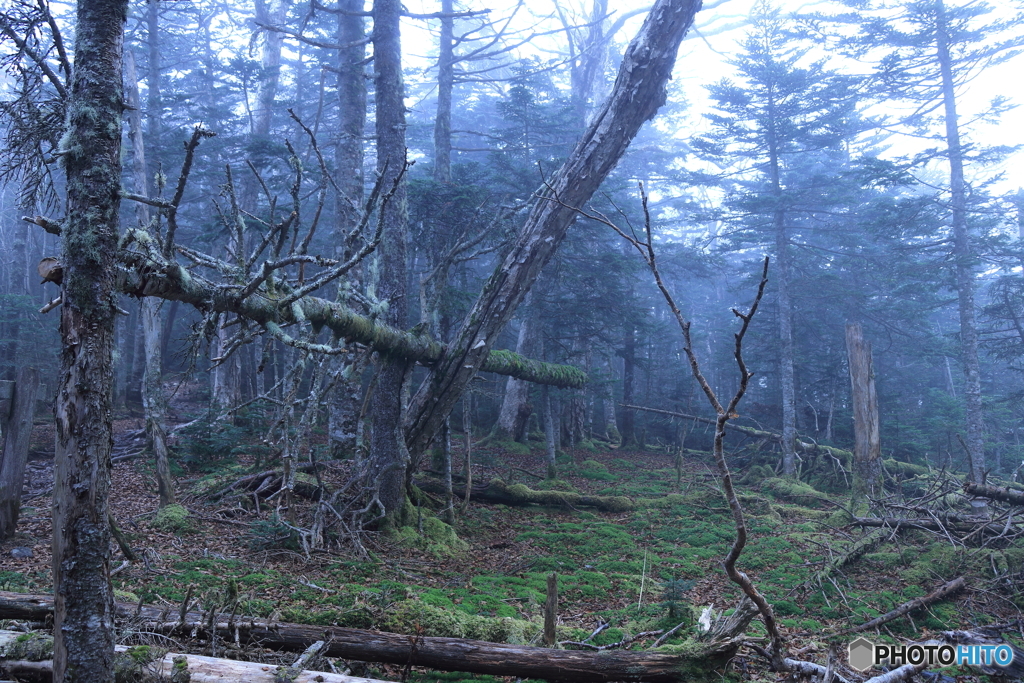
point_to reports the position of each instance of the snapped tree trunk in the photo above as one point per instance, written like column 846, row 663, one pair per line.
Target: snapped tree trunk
column 638, row 93
column 16, row 411
column 84, row 600
column 867, row 450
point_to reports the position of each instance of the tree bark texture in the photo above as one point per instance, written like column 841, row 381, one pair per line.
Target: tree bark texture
column 83, row 615
column 867, row 450
column 346, row 399
column 153, row 404
column 389, row 457
column 17, row 410
column 638, row 93
column 962, row 255
column 445, row 654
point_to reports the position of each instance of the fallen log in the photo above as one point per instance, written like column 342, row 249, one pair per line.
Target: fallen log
column 18, row 661
column 445, row 654
column 805, row 447
column 995, row 493
column 856, row 551
column 497, row 491
column 940, row 523
column 940, row 593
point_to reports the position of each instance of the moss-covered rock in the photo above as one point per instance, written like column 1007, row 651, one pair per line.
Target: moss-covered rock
column 438, row 538
column 172, row 518
column 135, row 665
column 32, row 647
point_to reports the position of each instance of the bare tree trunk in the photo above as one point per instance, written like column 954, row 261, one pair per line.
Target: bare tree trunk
column 345, row 401
column 16, row 423
column 638, row 93
column 389, row 457
column 84, row 600
column 962, row 257
column 628, row 373
column 445, row 85
column 514, row 415
column 867, row 451
column 549, row 433
column 153, row 404
column 611, row 428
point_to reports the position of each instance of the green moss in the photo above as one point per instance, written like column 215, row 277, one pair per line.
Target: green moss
column 414, row 616
column 789, row 489
column 32, row 647
column 125, row 596
column 134, row 665
column 592, row 469
column 438, row 539
column 172, row 518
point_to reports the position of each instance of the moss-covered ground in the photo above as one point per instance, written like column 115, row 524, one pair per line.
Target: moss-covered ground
column 645, row 569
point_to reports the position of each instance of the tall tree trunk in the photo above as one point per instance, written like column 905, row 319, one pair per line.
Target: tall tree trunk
column 16, row 423
column 84, row 604
column 389, row 457
column 867, row 451
column 346, row 399
column 445, row 85
column 270, row 64
column 549, row 434
column 611, row 427
column 962, row 256
column 638, row 93
column 153, row 404
column 628, row 380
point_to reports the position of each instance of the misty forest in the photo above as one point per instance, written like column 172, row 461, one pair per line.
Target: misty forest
column 550, row 340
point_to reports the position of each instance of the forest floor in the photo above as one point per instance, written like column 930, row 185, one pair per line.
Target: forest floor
column 642, row 570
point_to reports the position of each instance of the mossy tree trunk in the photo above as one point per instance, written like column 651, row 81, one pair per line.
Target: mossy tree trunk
column 515, row 405
column 84, row 600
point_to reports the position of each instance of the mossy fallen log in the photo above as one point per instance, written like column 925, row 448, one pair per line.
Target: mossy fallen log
column 497, row 491
column 669, row 664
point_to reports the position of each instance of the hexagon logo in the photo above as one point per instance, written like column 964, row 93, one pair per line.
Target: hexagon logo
column 862, row 654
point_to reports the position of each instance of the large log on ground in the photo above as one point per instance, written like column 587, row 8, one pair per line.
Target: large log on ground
column 200, row 669
column 445, row 654
column 497, row 491
column 995, row 493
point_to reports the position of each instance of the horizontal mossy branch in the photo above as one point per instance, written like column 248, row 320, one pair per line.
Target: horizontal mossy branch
column 497, row 491
column 171, row 281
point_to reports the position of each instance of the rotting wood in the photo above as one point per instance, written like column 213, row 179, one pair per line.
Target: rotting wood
column 200, row 669
column 446, row 654
column 944, row 591
column 497, row 491
column 995, row 493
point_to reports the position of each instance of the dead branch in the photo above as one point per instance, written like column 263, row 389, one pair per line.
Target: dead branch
column 940, row 593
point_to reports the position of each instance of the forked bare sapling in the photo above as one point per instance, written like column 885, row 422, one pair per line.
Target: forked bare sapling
column 645, row 246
